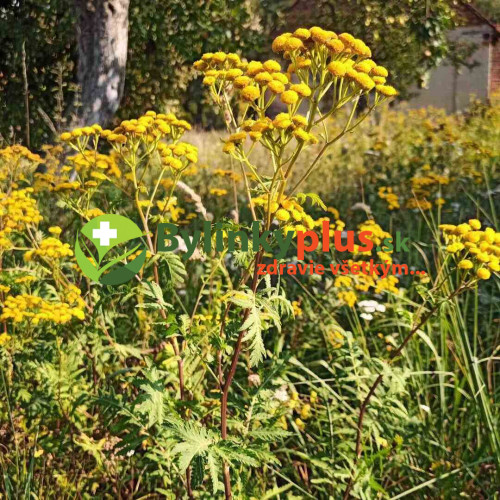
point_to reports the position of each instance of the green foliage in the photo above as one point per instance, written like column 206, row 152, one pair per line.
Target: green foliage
column 46, row 29
column 407, row 36
column 165, row 38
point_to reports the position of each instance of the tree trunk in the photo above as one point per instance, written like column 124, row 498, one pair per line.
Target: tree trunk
column 102, row 32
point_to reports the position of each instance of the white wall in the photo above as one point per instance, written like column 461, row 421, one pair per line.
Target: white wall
column 451, row 89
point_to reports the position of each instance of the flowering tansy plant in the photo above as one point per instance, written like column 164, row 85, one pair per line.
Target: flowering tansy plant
column 322, row 67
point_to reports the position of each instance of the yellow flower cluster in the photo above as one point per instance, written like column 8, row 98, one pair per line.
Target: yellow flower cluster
column 344, row 56
column 34, row 309
column 178, row 156
column 17, row 209
column 227, row 173
column 418, row 204
column 303, row 408
column 347, row 58
column 52, row 248
column 16, row 152
column 475, row 250
column 321, row 60
column 171, row 207
column 150, row 127
column 431, row 179
column 423, row 186
column 218, row 191
column 386, row 193
column 54, row 178
column 4, row 338
column 387, row 284
column 16, row 161
column 378, row 235
column 284, row 126
column 93, row 212
column 23, row 280
column 289, row 212
column 347, row 297
column 250, row 79
column 349, row 285
column 220, row 67
column 297, row 310
column 335, row 338
column 84, row 132
column 95, row 165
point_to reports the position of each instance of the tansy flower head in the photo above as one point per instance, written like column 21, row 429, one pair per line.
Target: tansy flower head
column 299, row 120
column 364, row 81
column 254, row 67
column 320, row 35
column 364, row 66
column 237, row 137
column 289, row 97
column 229, row 147
column 263, row 78
column 336, row 68
column 272, row 66
column 347, row 38
column 241, row 82
column 250, row 93
column 293, row 43
column 379, row 71
column 386, row 90
column 335, row 46
column 279, row 42
column 276, row 87
column 379, row 80
column 302, row 33
column 233, row 73
column 359, row 47
column 475, row 224
column 483, row 274
column 280, row 77
column 208, row 80
column 302, row 89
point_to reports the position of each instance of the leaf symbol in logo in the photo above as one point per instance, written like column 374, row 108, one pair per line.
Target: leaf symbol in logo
column 107, row 232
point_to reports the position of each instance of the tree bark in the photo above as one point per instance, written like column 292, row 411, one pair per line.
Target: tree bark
column 102, row 32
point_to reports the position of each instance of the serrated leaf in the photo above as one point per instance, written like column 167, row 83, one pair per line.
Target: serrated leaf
column 253, row 335
column 213, row 467
column 242, row 299
column 175, row 268
column 269, row 435
column 127, row 351
column 197, row 471
column 315, row 199
column 150, row 305
column 196, row 441
column 152, row 403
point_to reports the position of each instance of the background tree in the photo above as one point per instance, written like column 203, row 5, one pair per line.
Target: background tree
column 102, row 33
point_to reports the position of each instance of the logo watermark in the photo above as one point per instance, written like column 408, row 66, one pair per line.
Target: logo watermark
column 106, row 233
